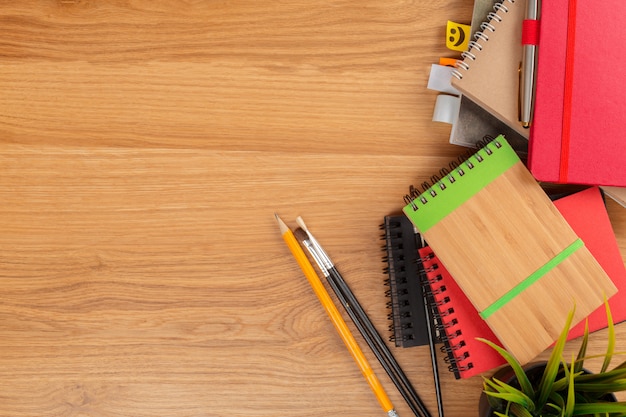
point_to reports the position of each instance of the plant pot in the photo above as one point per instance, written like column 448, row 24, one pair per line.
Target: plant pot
column 505, row 374
column 534, row 371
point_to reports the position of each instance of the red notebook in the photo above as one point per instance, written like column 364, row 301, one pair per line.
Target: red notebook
column 586, row 214
column 577, row 131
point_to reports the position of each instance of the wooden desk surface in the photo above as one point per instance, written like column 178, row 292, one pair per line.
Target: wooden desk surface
column 145, row 147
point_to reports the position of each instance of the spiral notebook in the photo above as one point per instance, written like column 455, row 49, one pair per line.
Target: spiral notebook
column 460, row 322
column 586, row 214
column 512, row 253
column 580, row 100
column 406, row 299
column 488, row 74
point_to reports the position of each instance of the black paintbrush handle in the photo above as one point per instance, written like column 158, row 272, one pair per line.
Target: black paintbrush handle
column 376, row 343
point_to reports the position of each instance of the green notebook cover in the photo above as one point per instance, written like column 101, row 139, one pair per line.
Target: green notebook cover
column 476, row 172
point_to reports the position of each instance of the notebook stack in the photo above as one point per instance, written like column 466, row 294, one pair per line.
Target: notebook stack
column 506, row 253
column 575, row 134
column 460, row 320
column 509, row 249
column 501, row 260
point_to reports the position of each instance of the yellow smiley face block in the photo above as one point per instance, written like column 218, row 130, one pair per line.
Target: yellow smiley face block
column 457, row 36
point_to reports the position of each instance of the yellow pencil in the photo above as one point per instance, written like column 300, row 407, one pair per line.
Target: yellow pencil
column 338, row 322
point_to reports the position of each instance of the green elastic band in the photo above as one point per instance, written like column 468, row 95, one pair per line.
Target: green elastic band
column 534, row 277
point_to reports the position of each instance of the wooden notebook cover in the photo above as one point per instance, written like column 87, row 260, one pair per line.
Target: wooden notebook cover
column 492, row 76
column 586, row 214
column 494, row 229
column 580, row 100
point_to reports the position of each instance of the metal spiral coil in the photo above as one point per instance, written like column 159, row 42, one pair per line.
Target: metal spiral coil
column 455, row 169
column 447, row 325
column 480, row 37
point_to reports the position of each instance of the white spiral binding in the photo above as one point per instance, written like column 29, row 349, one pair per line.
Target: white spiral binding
column 481, row 36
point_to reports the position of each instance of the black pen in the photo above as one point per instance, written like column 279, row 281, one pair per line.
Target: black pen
column 429, row 302
column 361, row 320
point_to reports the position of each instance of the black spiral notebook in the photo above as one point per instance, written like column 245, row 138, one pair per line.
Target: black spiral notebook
column 408, row 321
column 414, row 274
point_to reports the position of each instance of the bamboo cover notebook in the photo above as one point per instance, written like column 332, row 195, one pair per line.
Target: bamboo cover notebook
column 489, row 71
column 586, row 214
column 509, row 249
column 577, row 132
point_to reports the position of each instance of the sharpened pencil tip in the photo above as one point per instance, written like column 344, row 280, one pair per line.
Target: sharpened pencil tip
column 281, row 224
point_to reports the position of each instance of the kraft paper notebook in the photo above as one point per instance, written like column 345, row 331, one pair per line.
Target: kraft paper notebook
column 577, row 132
column 489, row 72
column 509, row 249
column 586, row 214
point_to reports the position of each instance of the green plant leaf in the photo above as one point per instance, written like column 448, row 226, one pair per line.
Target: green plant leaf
column 514, row 398
column 562, row 383
column 556, row 401
column 611, row 344
column 600, row 408
column 496, row 389
column 490, row 386
column 566, row 370
column 614, row 386
column 580, row 358
column 571, row 399
column 554, row 362
column 495, row 385
column 519, row 411
column 555, row 406
column 615, row 374
column 521, row 376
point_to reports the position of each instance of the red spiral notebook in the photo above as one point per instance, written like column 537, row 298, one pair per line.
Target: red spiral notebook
column 577, row 133
column 586, row 214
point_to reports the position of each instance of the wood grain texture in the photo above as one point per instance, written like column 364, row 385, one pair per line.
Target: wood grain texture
column 144, row 149
column 491, row 245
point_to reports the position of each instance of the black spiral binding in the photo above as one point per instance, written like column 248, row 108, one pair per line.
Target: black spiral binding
column 407, row 317
column 457, row 358
column 455, row 169
column 480, row 37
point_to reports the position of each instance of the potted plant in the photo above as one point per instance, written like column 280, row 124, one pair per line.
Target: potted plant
column 556, row 387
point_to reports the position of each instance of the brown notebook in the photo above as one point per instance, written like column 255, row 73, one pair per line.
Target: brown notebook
column 489, row 71
column 509, row 249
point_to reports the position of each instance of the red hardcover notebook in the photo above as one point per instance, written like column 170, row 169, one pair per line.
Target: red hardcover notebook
column 577, row 132
column 586, row 214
